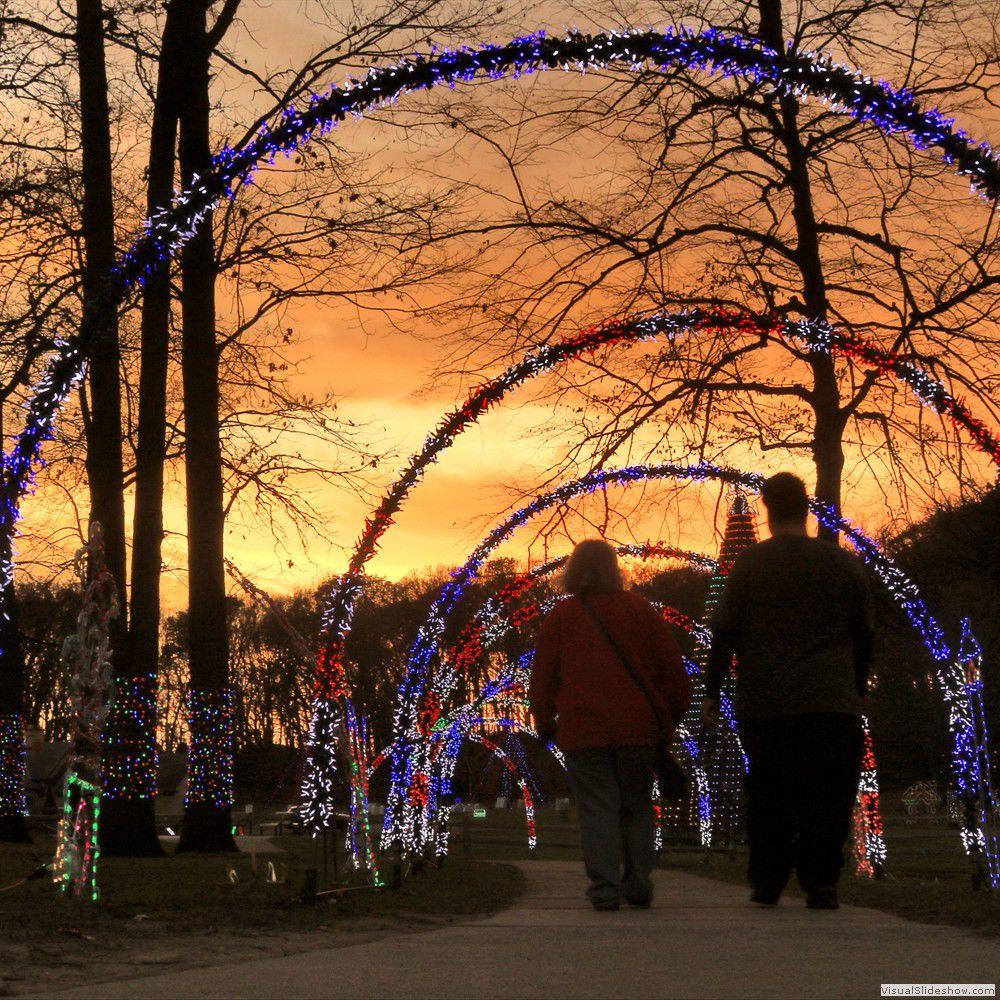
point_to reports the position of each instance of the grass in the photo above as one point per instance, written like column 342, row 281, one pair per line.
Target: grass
column 188, row 910
column 234, row 891
column 191, row 910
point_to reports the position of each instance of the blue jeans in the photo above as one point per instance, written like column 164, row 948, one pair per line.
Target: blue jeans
column 613, row 787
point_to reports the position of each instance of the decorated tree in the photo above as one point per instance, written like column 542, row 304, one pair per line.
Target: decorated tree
column 87, row 655
column 727, row 763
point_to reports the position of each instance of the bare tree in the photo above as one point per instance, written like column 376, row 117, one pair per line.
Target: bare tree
column 698, row 191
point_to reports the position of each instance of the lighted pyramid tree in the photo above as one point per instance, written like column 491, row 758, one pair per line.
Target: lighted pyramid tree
column 725, row 763
column 713, row 806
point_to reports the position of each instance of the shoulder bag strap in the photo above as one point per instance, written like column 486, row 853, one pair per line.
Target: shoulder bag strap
column 630, row 670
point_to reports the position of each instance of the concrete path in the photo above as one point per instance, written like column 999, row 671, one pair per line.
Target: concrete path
column 701, row 939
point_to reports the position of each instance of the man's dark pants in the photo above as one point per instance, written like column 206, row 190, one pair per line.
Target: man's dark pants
column 613, row 787
column 801, row 788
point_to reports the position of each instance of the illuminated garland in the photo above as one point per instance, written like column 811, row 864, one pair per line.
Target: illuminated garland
column 75, row 867
column 401, row 819
column 86, row 655
column 893, row 111
column 797, row 74
column 338, row 613
column 129, row 769
column 359, row 835
column 815, row 336
column 320, row 770
column 869, row 837
column 13, row 763
column 210, row 757
column 330, row 679
column 512, row 769
column 491, row 620
column 977, row 799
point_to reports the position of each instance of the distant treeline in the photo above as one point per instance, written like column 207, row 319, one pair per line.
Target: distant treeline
column 954, row 555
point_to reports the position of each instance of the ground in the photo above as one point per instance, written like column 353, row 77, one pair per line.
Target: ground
column 701, row 939
column 186, row 912
column 928, row 876
column 180, row 911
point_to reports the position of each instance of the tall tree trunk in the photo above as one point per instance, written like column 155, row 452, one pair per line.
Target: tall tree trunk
column 100, row 316
column 13, row 760
column 100, row 319
column 829, row 418
column 208, row 806
column 128, row 826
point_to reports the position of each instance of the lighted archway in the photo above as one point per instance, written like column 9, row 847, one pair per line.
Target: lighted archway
column 787, row 72
column 491, row 621
column 965, row 755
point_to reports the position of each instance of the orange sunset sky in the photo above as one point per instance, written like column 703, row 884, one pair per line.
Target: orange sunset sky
column 382, row 377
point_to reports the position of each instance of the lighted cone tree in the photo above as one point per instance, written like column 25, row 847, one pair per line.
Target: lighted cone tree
column 716, row 812
column 727, row 763
column 87, row 655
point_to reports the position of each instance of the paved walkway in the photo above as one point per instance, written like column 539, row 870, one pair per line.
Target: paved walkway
column 701, row 939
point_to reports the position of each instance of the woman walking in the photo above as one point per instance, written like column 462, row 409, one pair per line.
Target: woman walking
column 608, row 685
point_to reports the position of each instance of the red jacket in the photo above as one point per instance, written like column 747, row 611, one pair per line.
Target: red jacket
column 581, row 692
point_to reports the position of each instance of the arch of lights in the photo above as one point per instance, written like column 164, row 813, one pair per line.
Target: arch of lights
column 329, row 684
column 424, row 690
column 486, row 628
column 448, row 731
column 491, row 622
column 800, row 74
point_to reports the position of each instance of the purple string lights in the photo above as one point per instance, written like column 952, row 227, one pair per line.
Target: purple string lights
column 801, row 74
column 404, row 823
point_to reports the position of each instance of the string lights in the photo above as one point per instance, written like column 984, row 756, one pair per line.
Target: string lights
column 330, row 681
column 970, row 758
column 86, row 654
column 492, row 621
column 130, row 764
column 726, row 763
column 210, row 757
column 78, row 838
column 13, row 761
column 403, row 825
column 869, row 837
column 802, row 75
column 815, row 336
column 797, row 74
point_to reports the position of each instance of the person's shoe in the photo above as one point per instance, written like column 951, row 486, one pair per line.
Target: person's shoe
column 642, row 900
column 765, row 897
column 606, row 905
column 824, row 898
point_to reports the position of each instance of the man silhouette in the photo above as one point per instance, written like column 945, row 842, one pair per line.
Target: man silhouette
column 796, row 615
